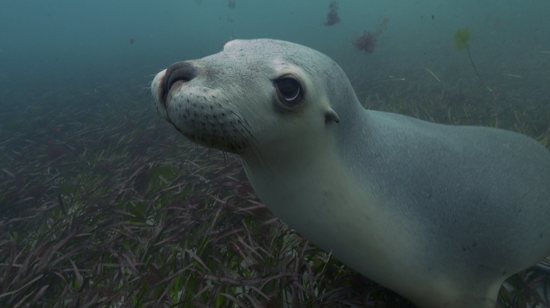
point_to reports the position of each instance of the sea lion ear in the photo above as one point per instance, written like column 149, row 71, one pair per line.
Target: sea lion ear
column 331, row 116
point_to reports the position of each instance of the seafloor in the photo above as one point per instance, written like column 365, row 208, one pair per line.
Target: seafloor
column 103, row 204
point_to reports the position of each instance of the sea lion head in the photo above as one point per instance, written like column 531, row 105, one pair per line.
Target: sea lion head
column 252, row 93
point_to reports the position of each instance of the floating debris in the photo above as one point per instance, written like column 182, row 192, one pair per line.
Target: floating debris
column 367, row 41
column 332, row 15
column 432, row 74
column 511, row 75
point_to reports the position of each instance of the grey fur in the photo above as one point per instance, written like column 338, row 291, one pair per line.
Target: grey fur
column 441, row 214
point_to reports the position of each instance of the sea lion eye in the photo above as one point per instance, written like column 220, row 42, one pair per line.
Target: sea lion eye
column 288, row 90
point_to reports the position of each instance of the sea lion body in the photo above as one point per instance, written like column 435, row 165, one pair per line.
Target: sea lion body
column 438, row 213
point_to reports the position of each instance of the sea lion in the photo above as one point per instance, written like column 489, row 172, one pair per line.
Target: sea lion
column 441, row 214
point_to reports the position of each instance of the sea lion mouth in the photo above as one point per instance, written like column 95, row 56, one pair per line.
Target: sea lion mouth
column 179, row 72
column 220, row 143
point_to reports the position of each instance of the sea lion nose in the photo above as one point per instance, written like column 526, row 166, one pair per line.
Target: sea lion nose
column 179, row 71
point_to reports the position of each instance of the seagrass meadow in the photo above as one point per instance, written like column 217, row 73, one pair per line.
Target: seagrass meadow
column 102, row 204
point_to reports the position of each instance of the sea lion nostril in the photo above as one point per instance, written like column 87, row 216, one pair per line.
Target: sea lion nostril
column 183, row 71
